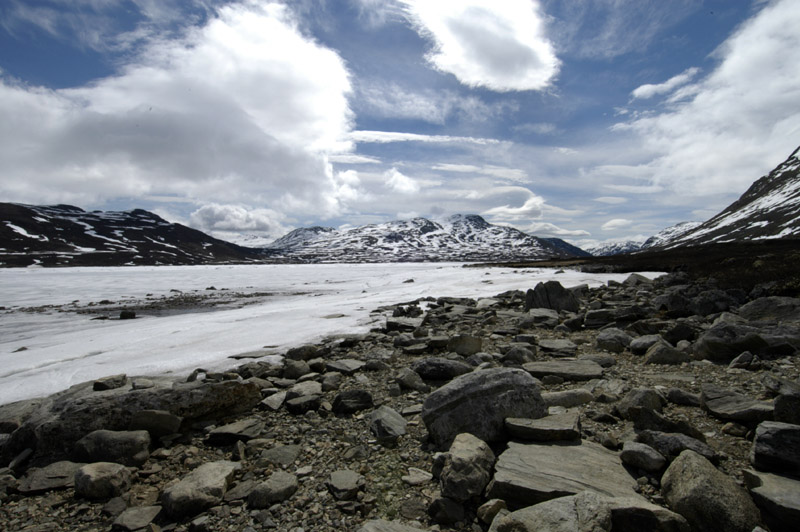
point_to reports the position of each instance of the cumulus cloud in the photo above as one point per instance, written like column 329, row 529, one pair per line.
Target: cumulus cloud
column 531, row 209
column 400, row 183
column 704, row 142
column 501, row 46
column 241, row 109
column 214, row 217
column 500, row 172
column 546, row 229
column 644, row 92
column 616, row 224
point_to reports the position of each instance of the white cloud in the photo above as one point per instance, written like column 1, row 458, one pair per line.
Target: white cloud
column 616, row 224
column 383, row 137
column 240, row 110
column 611, row 200
column 635, row 189
column 531, row 209
column 648, row 91
column 501, row 172
column 214, row 217
column 539, row 128
column 501, row 46
column 546, row 229
column 353, row 159
column 400, row 183
column 705, row 142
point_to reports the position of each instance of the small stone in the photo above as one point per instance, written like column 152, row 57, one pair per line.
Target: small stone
column 345, row 484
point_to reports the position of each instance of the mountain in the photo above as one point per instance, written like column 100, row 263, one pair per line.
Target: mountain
column 63, row 235
column 458, row 238
column 614, row 248
column 769, row 209
column 669, row 234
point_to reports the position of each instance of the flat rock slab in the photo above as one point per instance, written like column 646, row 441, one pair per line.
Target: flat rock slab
column 558, row 346
column 379, row 525
column 571, row 370
column 728, row 405
column 347, row 366
column 777, row 497
column 136, row 518
column 58, row 475
column 561, row 427
column 242, row 430
column 530, row 473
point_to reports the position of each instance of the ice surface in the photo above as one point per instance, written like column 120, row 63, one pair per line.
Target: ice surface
column 65, row 348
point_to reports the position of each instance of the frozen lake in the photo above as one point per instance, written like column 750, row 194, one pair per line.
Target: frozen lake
column 49, row 341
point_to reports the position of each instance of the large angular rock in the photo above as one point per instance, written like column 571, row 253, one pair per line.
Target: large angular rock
column 440, row 369
column 672, row 444
column 200, row 489
column 352, row 401
column 277, row 488
column 708, row 499
column 130, row 447
column 558, row 347
column 642, row 398
column 465, row 345
column 102, row 480
column 345, row 484
column 242, row 430
column 387, row 424
column 560, row 427
column 776, row 447
column 773, row 309
column 531, row 473
column 586, row 511
column 136, row 518
column 725, row 341
column 777, row 497
column 58, row 475
column 380, row 525
column 613, row 340
column 157, row 422
column 345, row 366
column 729, row 405
column 642, row 456
column 571, row 370
column 467, row 468
column 479, row 402
column 553, row 296
column 661, row 353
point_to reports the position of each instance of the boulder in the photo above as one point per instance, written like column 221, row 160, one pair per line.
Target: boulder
column 352, row 401
column 646, row 398
column 380, row 525
column 294, row 369
column 672, row 444
column 640, row 345
column 551, row 295
column 303, row 404
column 440, row 369
column 568, row 398
column 282, row 455
column 558, row 347
column 725, row 341
column 110, row 383
column 465, row 345
column 776, row 447
column 387, row 424
column 777, row 497
column 130, row 447
column 787, row 407
column 571, row 370
column 304, row 389
column 773, row 309
column 409, row 379
column 530, row 473
column 642, row 456
column 539, row 317
column 277, row 488
column 345, row 366
column 711, row 302
column 613, row 340
column 518, row 355
column 586, row 511
column 661, row 353
column 646, row 419
column 58, row 475
column 595, row 319
column 479, row 402
column 444, row 511
column 102, row 480
column 467, row 468
column 729, row 405
column 200, row 489
column 345, row 484
column 242, row 430
column 560, row 427
column 303, row 352
column 136, row 518
column 708, row 499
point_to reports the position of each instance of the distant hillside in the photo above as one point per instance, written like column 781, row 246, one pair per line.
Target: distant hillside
column 460, row 238
column 769, row 209
column 63, row 235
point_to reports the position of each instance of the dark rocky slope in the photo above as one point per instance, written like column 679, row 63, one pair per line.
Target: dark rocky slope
column 643, row 405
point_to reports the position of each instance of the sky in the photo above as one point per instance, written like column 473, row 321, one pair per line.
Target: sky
column 591, row 121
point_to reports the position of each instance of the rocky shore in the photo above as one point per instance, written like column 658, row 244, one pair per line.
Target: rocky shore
column 666, row 405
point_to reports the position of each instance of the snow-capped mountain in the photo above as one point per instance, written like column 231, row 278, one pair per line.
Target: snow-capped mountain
column 669, row 234
column 63, row 235
column 458, row 238
column 770, row 208
column 614, row 248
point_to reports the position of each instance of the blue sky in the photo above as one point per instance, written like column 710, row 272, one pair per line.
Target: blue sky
column 590, row 121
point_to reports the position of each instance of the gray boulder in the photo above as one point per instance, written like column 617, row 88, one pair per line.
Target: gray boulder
column 303, row 352
column 58, row 475
column 110, row 383
column 568, row 398
column 613, row 340
column 387, row 424
column 157, row 422
column 539, row 317
column 380, row 525
column 409, row 379
column 777, row 497
column 277, row 488
column 440, row 369
column 136, row 518
column 551, row 295
column 708, row 499
column 585, row 512
column 776, row 447
column 725, row 341
column 200, row 489
column 571, row 370
column 661, row 353
column 642, row 456
column 646, row 398
column 294, row 369
column 479, row 402
column 561, row 347
column 726, row 404
column 560, row 427
column 102, row 480
column 131, row 447
column 467, row 468
column 772, row 309
column 345, row 366
column 640, row 345
column 465, row 345
column 345, row 484
column 672, row 444
column 352, row 401
column 242, row 430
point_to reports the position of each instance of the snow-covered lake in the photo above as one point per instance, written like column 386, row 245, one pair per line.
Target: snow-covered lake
column 52, row 348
